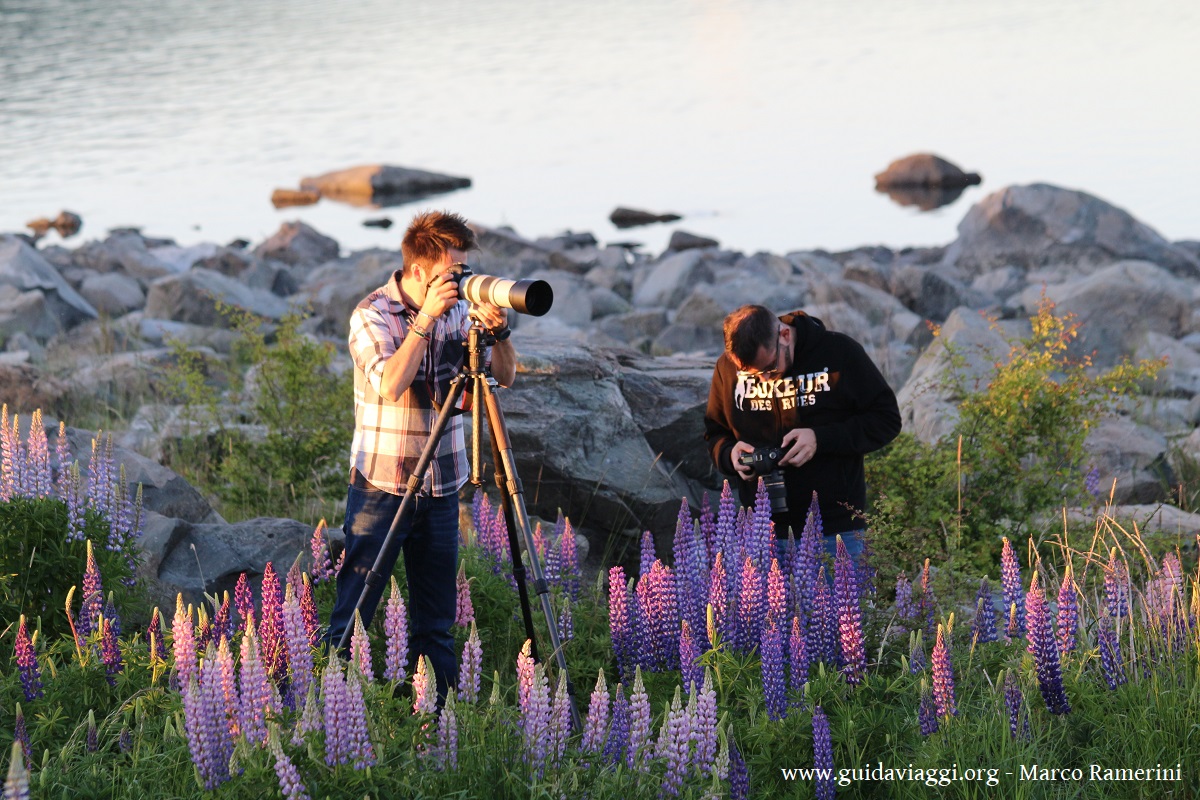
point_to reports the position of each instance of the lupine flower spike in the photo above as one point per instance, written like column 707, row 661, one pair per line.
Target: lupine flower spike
column 1068, row 615
column 16, row 785
column 1045, row 649
column 471, row 670
column 774, row 689
column 983, row 629
column 322, row 565
column 395, row 626
column 360, row 649
column 21, row 732
column 290, row 785
column 943, row 677
column 851, row 648
column 464, row 612
column 424, row 688
column 595, row 727
column 822, row 755
column 27, row 663
column 1010, row 582
column 1018, row 723
column 927, row 715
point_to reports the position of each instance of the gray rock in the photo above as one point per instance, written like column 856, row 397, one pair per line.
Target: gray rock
column 816, row 265
column 179, row 259
column 166, row 333
column 670, row 280
column 1026, row 226
column 572, row 302
column 333, row 290
column 632, row 217
column 194, row 297
column 636, row 328
column 1133, row 455
column 682, row 240
column 112, row 293
column 383, row 183
column 1001, row 283
column 25, row 388
column 296, row 243
column 123, row 251
column 24, row 271
column 933, row 294
column 767, row 267
column 606, row 302
column 685, row 337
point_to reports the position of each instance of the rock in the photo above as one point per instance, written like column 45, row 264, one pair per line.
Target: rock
column 682, row 240
column 24, row 388
column 123, row 250
column 1149, row 518
column 166, row 332
column 1181, row 375
column 1133, row 455
column 1028, row 226
column 925, row 170
column 572, row 303
column 286, row 198
column 925, row 198
column 296, row 243
column 632, row 218
column 35, row 294
column 40, row 226
column 378, row 222
column 672, row 279
column 509, row 255
column 180, row 259
column 606, row 302
column 194, row 296
column 382, row 184
column 194, row 559
column 1000, row 283
column 112, row 293
column 636, row 328
column 933, row 294
column 67, row 223
column 766, row 267
column 333, row 290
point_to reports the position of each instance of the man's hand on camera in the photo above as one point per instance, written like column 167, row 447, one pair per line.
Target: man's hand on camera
column 440, row 296
column 491, row 317
column 740, row 449
column 800, row 445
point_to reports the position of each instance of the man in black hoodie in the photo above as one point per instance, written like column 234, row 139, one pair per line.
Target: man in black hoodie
column 816, row 394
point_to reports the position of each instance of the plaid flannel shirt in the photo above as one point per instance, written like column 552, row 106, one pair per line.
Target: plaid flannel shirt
column 389, row 437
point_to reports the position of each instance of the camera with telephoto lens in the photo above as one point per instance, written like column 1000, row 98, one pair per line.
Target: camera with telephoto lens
column 525, row 296
column 764, row 463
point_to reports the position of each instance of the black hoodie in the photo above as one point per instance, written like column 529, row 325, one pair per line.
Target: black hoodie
column 832, row 387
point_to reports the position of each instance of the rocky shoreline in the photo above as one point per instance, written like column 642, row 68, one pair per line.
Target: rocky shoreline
column 606, row 415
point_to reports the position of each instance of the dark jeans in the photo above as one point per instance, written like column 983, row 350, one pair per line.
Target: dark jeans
column 430, row 543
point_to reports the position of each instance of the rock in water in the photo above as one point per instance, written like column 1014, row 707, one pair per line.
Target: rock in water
column 924, row 169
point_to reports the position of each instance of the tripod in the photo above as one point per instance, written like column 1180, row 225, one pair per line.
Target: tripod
column 511, row 496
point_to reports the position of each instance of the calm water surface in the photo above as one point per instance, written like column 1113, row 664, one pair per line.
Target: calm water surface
column 762, row 122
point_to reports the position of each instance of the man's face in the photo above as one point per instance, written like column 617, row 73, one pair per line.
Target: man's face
column 771, row 360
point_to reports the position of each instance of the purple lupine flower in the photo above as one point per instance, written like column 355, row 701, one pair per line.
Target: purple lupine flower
column 290, row 785
column 851, row 647
column 916, row 653
column 322, row 564
column 927, row 716
column 659, row 614
column 751, row 606
column 395, row 628
column 93, row 735
column 822, row 631
column 762, row 530
column 639, row 724
column 822, row 754
column 205, row 724
column 776, row 593
column 470, row 673
column 929, row 602
column 673, row 745
column 718, row 602
column 257, row 696
column 38, row 478
column 222, row 625
column 464, row 611
column 125, row 740
column 93, row 595
column 983, row 629
column 1091, row 483
column 16, row 783
column 244, row 600
column 309, row 613
column 566, row 622
column 447, row 737
column 569, row 570
column 725, row 528
column 270, row 626
column 1013, row 622
column 480, row 510
column 154, row 635
column 620, row 622
column 1045, row 649
column 595, row 726
column 1110, row 654
column 648, row 556
column 227, row 675
column 73, row 494
column 203, row 629
column 1116, row 586
column 27, row 664
column 1014, row 699
column 1010, row 582
column 905, row 609
column 110, row 652
column 535, row 722
column 357, row 736
column 1068, row 615
column 798, row 655
column 299, row 647
column 560, row 720
column 360, row 649
column 312, row 717
column 704, row 726
column 690, row 585
column 739, row 775
column 616, row 746
column 943, row 677
column 708, row 528
column 774, row 690
column 690, row 668
column 335, row 713
column 183, row 643
column 21, row 733
column 424, row 688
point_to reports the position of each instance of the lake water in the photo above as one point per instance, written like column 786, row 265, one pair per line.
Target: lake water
column 761, row 122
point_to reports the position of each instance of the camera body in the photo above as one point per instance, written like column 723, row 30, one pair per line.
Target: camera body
column 764, row 463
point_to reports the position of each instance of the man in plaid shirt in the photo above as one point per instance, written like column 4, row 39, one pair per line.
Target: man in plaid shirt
column 406, row 341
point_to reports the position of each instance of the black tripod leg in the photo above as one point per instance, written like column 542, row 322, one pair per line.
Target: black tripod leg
column 389, row 551
column 514, row 510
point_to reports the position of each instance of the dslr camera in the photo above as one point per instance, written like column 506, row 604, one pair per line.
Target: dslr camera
column 524, row 296
column 764, row 463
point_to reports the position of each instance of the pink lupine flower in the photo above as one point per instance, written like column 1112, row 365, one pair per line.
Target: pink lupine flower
column 776, row 593
column 27, row 664
column 620, row 622
column 595, row 727
column 464, row 612
column 360, row 649
column 322, row 564
column 270, row 626
column 309, row 613
column 943, row 677
column 183, row 643
column 850, row 633
column 93, row 595
column 525, row 666
column 395, row 627
column 244, row 601
column 424, row 690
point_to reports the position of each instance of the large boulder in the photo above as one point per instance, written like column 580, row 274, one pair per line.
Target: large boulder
column 924, row 170
column 24, row 388
column 112, row 293
column 1026, row 226
column 668, row 281
column 33, row 295
column 127, row 251
column 382, row 184
column 1133, row 455
column 298, row 244
column 195, row 296
column 334, row 289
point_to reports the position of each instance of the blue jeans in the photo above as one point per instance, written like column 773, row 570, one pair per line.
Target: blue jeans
column 430, row 543
column 852, row 539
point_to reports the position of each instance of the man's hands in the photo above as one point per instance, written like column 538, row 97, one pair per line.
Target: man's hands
column 800, row 445
column 440, row 295
column 491, row 317
column 740, row 449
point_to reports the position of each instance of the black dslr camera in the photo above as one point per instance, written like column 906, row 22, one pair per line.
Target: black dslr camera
column 764, row 463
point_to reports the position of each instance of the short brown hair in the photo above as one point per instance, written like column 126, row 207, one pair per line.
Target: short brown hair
column 746, row 330
column 430, row 236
